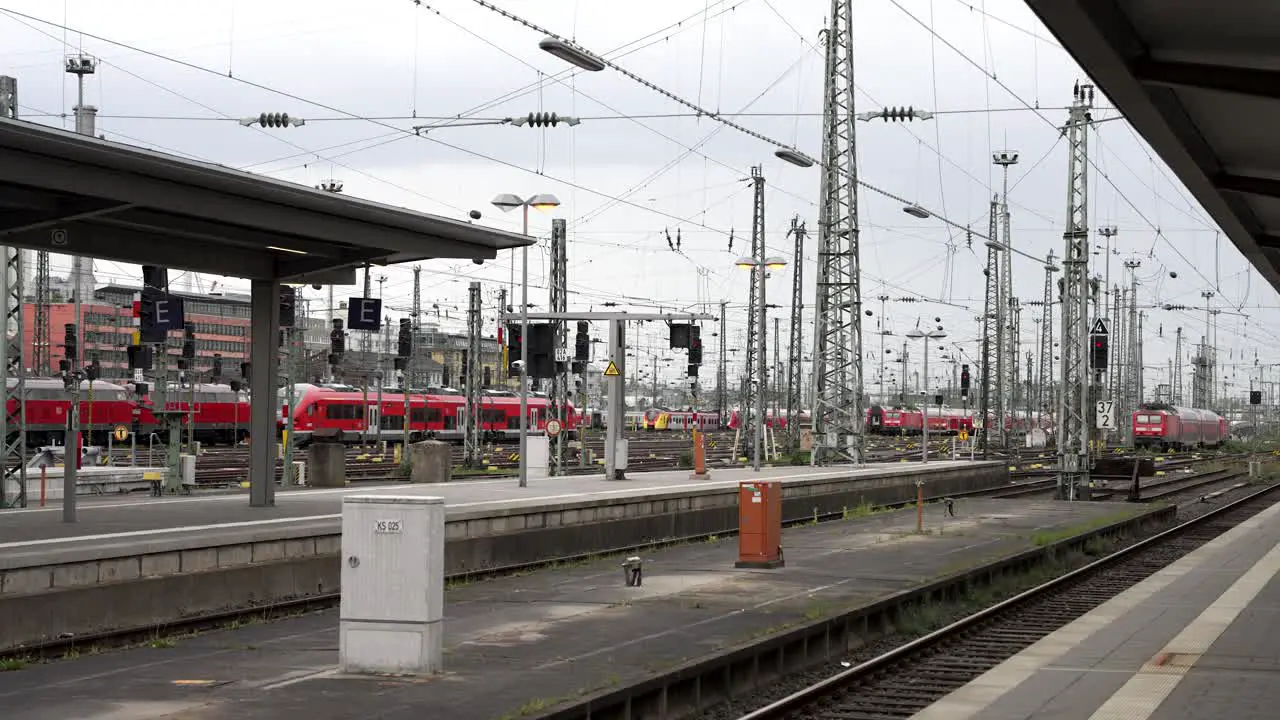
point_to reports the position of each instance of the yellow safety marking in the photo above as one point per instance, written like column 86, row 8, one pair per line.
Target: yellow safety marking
column 611, row 370
column 151, row 475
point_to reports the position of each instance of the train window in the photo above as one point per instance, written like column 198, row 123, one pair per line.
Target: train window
column 417, row 415
column 392, row 422
column 343, row 412
column 434, row 415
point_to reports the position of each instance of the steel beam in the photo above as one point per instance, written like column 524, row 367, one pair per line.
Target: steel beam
column 263, row 382
column 1253, row 82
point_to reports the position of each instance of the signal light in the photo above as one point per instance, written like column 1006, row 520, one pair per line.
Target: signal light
column 1098, row 353
column 337, row 339
column 140, row 357
column 69, row 342
column 189, row 341
column 217, row 365
column 680, row 335
column 964, row 381
column 245, row 371
column 542, row 340
column 695, row 347
column 514, row 343
column 288, row 301
column 404, row 344
column 582, row 343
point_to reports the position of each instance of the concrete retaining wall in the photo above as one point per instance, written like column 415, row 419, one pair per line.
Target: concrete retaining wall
column 83, row 590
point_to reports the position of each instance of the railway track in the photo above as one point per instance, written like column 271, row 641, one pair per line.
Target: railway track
column 912, row 676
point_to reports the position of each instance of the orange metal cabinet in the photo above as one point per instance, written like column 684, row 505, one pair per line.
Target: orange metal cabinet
column 759, row 525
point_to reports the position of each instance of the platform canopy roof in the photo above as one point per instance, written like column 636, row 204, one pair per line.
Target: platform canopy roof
column 74, row 194
column 1201, row 82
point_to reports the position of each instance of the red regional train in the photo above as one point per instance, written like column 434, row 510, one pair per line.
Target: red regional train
column 1169, row 427
column 220, row 414
column 903, row 421
column 356, row 417
column 777, row 423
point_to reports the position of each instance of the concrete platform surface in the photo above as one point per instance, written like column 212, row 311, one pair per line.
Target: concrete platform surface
column 519, row 644
column 1200, row 639
column 35, row 527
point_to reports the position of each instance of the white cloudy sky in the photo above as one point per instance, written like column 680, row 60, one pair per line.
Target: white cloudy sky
column 639, row 165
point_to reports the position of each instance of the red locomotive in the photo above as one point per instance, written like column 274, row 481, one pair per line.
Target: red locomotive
column 358, row 416
column 894, row 421
column 1169, row 427
column 219, row 415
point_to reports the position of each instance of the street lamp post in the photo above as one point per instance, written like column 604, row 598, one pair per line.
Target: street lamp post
column 927, row 336
column 509, row 201
column 762, row 267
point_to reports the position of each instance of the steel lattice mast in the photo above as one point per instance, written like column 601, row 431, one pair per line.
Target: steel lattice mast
column 1132, row 368
column 837, row 356
column 990, row 338
column 1176, row 388
column 755, row 378
column 1074, row 418
column 471, row 419
column 414, row 374
column 41, row 347
column 794, row 352
column 559, row 304
column 13, row 485
column 1046, row 400
column 1006, row 337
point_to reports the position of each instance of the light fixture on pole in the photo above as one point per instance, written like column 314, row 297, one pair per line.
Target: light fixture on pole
column 572, row 54
column 927, row 336
column 507, row 202
column 793, row 156
column 773, row 262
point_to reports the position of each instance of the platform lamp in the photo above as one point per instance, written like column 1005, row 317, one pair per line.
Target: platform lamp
column 763, row 267
column 507, row 202
column 927, row 336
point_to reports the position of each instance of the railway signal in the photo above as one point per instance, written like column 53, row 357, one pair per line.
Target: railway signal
column 514, row 343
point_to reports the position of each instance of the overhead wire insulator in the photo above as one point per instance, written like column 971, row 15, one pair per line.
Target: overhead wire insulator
column 543, row 119
column 274, row 120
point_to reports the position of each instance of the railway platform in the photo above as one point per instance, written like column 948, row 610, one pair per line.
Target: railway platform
column 1196, row 640
column 141, row 519
column 517, row 646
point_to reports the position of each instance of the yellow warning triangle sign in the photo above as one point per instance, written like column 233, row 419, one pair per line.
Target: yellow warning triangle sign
column 612, row 370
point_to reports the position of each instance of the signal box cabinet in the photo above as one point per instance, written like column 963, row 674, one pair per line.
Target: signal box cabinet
column 759, row 525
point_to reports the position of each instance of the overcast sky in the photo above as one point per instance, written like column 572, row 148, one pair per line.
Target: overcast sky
column 361, row 73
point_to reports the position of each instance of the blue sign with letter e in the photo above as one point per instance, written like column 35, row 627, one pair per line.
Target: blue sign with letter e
column 364, row 313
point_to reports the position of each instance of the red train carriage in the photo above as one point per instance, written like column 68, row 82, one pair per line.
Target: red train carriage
column 1166, row 426
column 356, row 416
column 220, row 414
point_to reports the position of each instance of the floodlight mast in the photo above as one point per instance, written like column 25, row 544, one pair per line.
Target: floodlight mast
column 837, row 357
